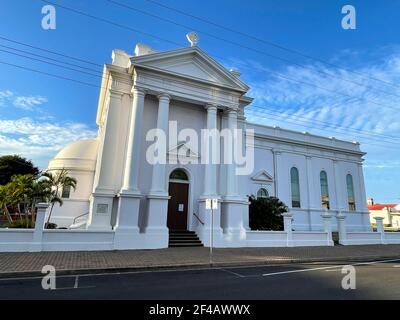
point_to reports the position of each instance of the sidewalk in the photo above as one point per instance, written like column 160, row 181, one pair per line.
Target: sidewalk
column 29, row 264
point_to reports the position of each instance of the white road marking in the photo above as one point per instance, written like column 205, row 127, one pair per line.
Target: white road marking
column 326, row 268
column 396, row 266
column 189, row 269
column 76, row 284
column 234, row 273
column 73, row 288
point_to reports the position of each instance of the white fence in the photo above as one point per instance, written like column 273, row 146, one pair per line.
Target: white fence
column 358, row 238
column 290, row 238
column 38, row 239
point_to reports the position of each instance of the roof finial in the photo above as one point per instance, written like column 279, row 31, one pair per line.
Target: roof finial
column 193, row 38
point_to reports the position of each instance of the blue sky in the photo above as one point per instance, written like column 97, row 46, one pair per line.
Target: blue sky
column 40, row 114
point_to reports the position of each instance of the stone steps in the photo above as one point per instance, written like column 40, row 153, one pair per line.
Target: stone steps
column 184, row 238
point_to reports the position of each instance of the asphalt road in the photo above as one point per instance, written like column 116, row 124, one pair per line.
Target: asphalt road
column 374, row 280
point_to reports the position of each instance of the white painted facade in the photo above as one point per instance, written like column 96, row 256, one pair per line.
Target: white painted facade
column 122, row 192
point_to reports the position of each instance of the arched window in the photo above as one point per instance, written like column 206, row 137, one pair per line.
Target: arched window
column 350, row 193
column 262, row 193
column 178, row 174
column 295, row 187
column 66, row 192
column 323, row 177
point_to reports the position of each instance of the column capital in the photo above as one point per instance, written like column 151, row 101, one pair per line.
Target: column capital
column 116, row 93
column 164, row 96
column 138, row 91
column 211, row 107
column 231, row 112
column 276, row 151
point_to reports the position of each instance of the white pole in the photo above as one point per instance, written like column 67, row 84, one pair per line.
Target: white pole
column 211, row 234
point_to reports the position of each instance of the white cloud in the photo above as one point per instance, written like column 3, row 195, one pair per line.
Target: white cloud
column 39, row 141
column 371, row 108
column 19, row 101
column 28, row 103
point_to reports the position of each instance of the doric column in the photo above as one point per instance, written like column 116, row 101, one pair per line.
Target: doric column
column 131, row 173
column 231, row 178
column 158, row 182
column 210, row 171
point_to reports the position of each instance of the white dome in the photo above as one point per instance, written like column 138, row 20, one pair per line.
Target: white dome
column 83, row 149
column 77, row 155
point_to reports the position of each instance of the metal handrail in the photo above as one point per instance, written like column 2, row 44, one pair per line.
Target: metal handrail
column 80, row 216
column 198, row 218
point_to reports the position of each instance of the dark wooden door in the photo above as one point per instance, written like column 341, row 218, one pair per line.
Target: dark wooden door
column 178, row 206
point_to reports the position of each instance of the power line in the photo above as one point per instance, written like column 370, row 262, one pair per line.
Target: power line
column 51, row 63
column 49, row 51
column 344, row 130
column 96, row 86
column 100, row 75
column 49, row 74
column 123, row 5
column 116, row 24
column 268, row 42
column 267, row 110
column 263, row 109
column 307, row 125
column 64, row 62
column 169, row 41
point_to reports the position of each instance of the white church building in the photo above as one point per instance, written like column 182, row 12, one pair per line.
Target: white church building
column 118, row 190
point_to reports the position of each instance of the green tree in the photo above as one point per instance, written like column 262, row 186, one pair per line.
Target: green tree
column 58, row 181
column 266, row 213
column 21, row 195
column 11, row 165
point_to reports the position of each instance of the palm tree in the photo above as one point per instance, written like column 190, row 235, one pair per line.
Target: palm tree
column 57, row 182
column 4, row 202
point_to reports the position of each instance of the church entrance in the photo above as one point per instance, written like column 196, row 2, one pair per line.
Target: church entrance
column 178, row 203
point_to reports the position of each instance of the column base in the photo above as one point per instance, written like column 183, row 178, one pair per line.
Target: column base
column 100, row 212
column 127, row 238
column 127, row 232
column 234, row 229
column 156, row 231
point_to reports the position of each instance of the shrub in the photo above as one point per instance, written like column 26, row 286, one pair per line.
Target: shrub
column 266, row 213
column 19, row 224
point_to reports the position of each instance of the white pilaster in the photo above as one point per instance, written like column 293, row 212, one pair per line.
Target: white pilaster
column 101, row 201
column 277, row 160
column 210, row 168
column 210, row 185
column 127, row 230
column 157, row 210
column 131, row 172
column 231, row 177
column 363, row 207
column 337, row 179
column 158, row 182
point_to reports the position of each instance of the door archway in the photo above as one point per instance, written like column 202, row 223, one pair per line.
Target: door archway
column 178, row 190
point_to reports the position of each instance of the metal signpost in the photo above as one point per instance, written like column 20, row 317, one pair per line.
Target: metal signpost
column 211, row 204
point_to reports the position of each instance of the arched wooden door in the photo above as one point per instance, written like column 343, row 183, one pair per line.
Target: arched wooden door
column 178, row 203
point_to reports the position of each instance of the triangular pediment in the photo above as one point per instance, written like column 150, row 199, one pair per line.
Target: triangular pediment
column 262, row 177
column 191, row 63
column 183, row 152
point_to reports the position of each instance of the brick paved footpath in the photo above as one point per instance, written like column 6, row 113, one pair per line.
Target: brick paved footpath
column 14, row 264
